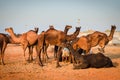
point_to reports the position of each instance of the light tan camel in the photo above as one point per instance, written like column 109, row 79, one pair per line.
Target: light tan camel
column 55, row 37
column 27, row 39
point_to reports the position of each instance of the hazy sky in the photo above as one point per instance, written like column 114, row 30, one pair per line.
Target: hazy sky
column 24, row 15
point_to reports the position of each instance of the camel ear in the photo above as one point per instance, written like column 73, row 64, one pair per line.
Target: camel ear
column 113, row 26
column 11, row 28
column 78, row 27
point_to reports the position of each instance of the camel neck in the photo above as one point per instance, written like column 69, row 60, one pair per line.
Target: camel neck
column 110, row 37
column 72, row 36
column 66, row 30
column 14, row 37
column 76, row 32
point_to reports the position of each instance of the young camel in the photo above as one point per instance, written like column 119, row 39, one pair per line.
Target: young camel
column 4, row 40
column 27, row 39
column 94, row 39
column 54, row 37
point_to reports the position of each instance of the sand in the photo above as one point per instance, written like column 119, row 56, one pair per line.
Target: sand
column 17, row 68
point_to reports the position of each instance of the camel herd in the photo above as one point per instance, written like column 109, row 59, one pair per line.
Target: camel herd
column 60, row 39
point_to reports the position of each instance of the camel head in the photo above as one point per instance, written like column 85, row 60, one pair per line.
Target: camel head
column 51, row 27
column 36, row 29
column 113, row 27
column 68, row 27
column 10, row 29
column 78, row 28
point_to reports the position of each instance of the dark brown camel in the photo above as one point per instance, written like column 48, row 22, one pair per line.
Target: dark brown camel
column 55, row 37
column 4, row 40
column 27, row 39
column 91, row 60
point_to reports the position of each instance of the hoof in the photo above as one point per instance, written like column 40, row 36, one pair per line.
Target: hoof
column 58, row 66
column 2, row 63
column 28, row 61
column 41, row 64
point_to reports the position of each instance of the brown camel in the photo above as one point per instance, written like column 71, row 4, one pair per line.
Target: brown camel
column 27, row 39
column 55, row 37
column 4, row 40
column 94, row 39
column 45, row 56
column 40, row 46
column 101, row 39
column 67, row 27
column 70, row 37
column 82, row 43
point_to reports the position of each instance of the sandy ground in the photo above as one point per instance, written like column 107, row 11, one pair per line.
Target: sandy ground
column 17, row 68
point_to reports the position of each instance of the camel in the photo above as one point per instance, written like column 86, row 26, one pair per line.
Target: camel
column 36, row 29
column 97, row 60
column 4, row 40
column 27, row 39
column 67, row 27
column 55, row 37
column 101, row 39
column 40, row 47
column 94, row 39
column 82, row 43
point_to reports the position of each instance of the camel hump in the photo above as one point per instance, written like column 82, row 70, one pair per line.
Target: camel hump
column 32, row 37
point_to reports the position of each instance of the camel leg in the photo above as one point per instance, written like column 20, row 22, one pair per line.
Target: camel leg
column 40, row 61
column 39, row 50
column 45, row 55
column 24, row 48
column 2, row 53
column 31, row 53
column 58, row 56
column 55, row 51
column 62, row 58
column 70, row 58
column 2, row 58
column 45, row 49
column 30, row 58
column 101, row 49
column 39, row 56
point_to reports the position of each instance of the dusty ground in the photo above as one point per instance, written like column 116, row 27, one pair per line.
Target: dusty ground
column 17, row 68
